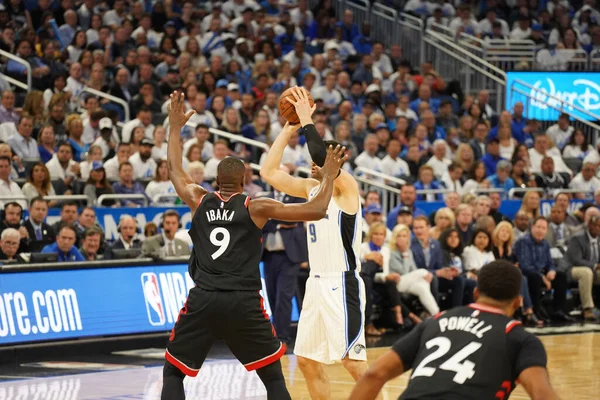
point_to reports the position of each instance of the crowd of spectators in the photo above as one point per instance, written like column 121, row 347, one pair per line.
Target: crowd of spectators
column 554, row 26
column 232, row 60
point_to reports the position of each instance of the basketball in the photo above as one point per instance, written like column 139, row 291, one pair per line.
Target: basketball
column 287, row 110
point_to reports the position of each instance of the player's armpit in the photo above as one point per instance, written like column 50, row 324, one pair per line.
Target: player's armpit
column 386, row 367
column 190, row 193
column 536, row 382
column 264, row 208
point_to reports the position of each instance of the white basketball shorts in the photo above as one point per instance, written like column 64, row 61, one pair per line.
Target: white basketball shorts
column 331, row 325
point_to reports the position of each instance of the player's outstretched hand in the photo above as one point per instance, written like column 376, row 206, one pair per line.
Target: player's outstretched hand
column 176, row 108
column 302, row 105
column 334, row 160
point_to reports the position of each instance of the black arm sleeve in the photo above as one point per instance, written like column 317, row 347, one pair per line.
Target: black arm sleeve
column 316, row 146
column 407, row 348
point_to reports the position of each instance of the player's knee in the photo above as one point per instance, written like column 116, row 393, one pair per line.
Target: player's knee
column 170, row 370
column 271, row 372
column 355, row 367
column 308, row 366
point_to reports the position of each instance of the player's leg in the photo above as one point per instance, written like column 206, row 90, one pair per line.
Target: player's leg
column 311, row 345
column 189, row 343
column 272, row 377
column 316, row 378
column 354, row 358
column 287, row 282
column 251, row 338
column 355, row 367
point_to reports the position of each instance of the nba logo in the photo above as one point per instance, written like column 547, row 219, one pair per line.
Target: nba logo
column 154, row 304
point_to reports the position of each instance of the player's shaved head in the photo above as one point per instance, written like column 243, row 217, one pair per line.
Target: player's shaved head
column 500, row 281
column 230, row 172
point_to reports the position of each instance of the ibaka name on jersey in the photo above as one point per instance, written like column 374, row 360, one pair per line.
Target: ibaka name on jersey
column 466, row 324
column 219, row 215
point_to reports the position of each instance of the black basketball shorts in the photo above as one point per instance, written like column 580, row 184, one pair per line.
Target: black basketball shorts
column 237, row 317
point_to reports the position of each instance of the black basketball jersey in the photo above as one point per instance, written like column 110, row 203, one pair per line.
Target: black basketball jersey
column 227, row 245
column 472, row 352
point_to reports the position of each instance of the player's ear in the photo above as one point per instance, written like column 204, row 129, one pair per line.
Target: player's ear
column 476, row 294
column 516, row 303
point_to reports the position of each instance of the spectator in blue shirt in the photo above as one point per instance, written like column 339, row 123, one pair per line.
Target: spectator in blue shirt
column 362, row 42
column 349, row 28
column 128, row 186
column 425, row 95
column 501, row 179
column 533, row 255
column 408, row 196
column 492, row 156
column 518, row 122
column 65, row 245
column 287, row 40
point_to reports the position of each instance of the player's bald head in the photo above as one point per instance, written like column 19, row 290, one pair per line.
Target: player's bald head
column 230, row 172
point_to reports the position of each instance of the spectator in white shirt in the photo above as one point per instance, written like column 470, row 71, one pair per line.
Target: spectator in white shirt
column 161, row 184
column 561, row 132
column 301, row 15
column 293, row 154
column 381, row 60
column 75, row 85
column 112, row 166
column 159, row 151
column 523, row 30
column 585, row 182
column 392, row 164
column 541, row 149
column 485, row 25
column 579, row 147
column 368, row 158
column 404, row 110
column 479, row 253
column 438, row 161
column 464, row 22
column 220, row 152
column 108, row 137
column 201, row 139
column 452, row 178
column 7, row 186
column 62, row 166
column 297, row 57
column 143, row 165
column 328, row 93
column 85, row 167
column 23, row 144
column 144, row 119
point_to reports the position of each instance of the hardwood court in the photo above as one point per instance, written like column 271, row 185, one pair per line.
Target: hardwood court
column 573, row 362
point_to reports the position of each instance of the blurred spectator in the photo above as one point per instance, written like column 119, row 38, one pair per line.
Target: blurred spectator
column 541, row 149
column 428, row 183
column 196, row 171
column 549, row 178
column 112, row 165
column 444, row 219
column 106, row 139
column 38, row 183
column 12, row 216
column 579, row 147
column 22, row 143
column 427, row 254
column 143, row 119
column 408, row 196
column 127, row 239
column 97, row 185
column 39, row 233
column 94, row 154
column 46, row 143
column 201, row 136
column 439, row 161
column 91, row 244
column 521, row 224
column 477, row 179
column 8, row 187
column 501, row 179
column 452, row 178
column 478, row 253
column 161, row 184
column 534, row 258
column 65, row 245
column 464, row 222
column 585, row 182
column 392, row 164
column 219, row 153
column 8, row 113
column 127, row 185
column 492, row 156
column 63, row 167
column 561, row 132
column 251, row 187
column 166, row 244
column 143, row 164
column 9, row 244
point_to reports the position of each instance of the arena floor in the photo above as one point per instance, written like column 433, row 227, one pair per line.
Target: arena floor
column 573, row 352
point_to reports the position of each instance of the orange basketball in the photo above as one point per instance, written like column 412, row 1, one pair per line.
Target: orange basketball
column 287, row 110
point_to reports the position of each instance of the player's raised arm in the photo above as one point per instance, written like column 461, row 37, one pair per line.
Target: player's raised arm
column 184, row 185
column 270, row 171
column 537, row 384
column 263, row 209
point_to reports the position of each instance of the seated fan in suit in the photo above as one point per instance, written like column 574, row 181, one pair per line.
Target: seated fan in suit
column 165, row 244
column 11, row 217
column 127, row 239
column 39, row 232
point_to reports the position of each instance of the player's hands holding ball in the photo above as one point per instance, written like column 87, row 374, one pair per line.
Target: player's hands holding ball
column 301, row 102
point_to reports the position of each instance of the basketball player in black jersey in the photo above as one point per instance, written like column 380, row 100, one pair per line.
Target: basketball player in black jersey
column 226, row 233
column 473, row 352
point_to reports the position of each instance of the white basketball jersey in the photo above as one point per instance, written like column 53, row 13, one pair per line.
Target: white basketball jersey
column 334, row 241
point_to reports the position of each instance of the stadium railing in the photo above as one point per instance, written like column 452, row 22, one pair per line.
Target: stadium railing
column 409, row 35
column 473, row 72
column 71, row 197
column 118, row 197
column 520, row 91
column 112, row 99
column 368, row 173
column 19, row 60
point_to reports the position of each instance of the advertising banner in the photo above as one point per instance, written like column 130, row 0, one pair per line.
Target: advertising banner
column 69, row 304
column 577, row 88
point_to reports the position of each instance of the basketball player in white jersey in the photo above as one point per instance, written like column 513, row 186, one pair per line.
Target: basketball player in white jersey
column 332, row 319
